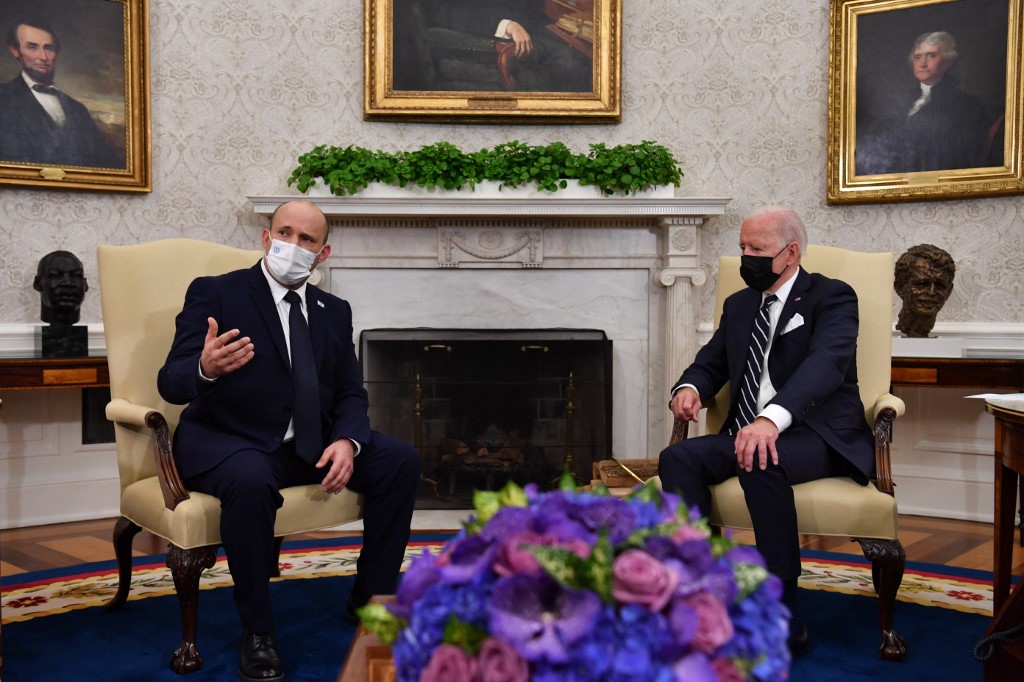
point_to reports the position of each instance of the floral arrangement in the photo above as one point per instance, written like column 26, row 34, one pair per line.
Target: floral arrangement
column 569, row 585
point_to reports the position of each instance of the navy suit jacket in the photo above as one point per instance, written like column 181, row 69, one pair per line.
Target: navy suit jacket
column 29, row 135
column 250, row 408
column 813, row 367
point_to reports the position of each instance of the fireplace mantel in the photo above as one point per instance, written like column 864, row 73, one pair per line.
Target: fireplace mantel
column 627, row 265
column 465, row 205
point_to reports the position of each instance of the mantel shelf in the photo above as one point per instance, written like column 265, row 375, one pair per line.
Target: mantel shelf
column 467, row 205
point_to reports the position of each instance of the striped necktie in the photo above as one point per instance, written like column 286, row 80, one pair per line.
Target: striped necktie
column 751, row 386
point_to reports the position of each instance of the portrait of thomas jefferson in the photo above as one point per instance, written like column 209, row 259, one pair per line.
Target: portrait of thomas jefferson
column 931, row 88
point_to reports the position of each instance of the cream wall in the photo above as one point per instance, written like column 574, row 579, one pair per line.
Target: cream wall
column 737, row 89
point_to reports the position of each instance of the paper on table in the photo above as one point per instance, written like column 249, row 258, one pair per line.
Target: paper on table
column 1007, row 401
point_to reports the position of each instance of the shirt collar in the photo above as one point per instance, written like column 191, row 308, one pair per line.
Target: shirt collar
column 278, row 290
column 29, row 82
column 783, row 292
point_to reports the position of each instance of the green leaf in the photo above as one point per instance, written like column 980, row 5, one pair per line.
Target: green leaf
column 467, row 637
column 564, row 565
column 748, row 578
column 512, row 496
column 568, row 568
column 567, row 482
column 381, row 622
column 599, row 567
column 486, row 503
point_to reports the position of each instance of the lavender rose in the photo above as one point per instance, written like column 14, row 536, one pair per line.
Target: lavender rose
column 714, row 627
column 500, row 662
column 639, row 578
column 449, row 662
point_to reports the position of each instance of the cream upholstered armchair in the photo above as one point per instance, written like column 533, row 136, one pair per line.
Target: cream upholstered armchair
column 142, row 289
column 839, row 506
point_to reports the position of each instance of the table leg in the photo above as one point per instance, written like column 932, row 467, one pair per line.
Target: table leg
column 1020, row 514
column 1006, row 484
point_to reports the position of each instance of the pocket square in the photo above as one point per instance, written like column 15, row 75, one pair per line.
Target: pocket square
column 794, row 322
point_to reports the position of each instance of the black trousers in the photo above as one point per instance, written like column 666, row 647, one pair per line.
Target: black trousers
column 387, row 474
column 692, row 465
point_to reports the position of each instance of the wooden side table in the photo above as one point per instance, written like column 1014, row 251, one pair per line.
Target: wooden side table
column 1009, row 464
column 1007, row 612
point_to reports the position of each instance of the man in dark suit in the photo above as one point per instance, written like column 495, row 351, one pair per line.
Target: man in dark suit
column 241, row 438
column 39, row 123
column 544, row 63
column 806, row 420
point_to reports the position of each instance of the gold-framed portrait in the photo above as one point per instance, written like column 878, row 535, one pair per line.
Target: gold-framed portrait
column 492, row 60
column 74, row 95
column 925, row 100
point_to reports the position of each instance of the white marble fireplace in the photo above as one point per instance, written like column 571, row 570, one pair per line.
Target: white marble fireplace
column 626, row 266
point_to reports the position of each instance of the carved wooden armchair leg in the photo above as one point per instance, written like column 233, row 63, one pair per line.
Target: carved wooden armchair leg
column 186, row 566
column 124, row 533
column 888, row 560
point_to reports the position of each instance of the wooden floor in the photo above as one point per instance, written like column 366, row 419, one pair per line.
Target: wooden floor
column 964, row 544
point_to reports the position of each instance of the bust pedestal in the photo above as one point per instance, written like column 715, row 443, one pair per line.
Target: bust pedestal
column 70, row 341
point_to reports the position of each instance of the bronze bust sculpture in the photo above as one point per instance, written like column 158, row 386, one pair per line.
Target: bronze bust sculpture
column 924, row 281
column 60, row 281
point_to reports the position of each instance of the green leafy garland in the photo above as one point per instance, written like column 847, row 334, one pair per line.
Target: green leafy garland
column 619, row 169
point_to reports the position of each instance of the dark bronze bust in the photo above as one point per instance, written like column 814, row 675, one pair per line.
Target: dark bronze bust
column 60, row 281
column 924, row 281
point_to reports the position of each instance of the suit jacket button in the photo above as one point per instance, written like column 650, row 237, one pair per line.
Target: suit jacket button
column 277, row 440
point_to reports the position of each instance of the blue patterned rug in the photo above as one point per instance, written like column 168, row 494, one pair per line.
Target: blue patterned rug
column 54, row 626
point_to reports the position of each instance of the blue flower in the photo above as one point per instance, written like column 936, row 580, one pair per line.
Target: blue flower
column 540, row 618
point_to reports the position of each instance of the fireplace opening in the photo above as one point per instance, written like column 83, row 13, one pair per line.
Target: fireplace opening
column 488, row 406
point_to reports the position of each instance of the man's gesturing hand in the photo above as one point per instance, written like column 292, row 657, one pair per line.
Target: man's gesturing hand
column 225, row 353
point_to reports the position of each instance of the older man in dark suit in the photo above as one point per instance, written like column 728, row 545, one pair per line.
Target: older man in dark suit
column 247, row 432
column 39, row 123
column 787, row 343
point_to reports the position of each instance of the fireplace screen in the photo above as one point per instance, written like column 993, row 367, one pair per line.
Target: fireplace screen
column 487, row 406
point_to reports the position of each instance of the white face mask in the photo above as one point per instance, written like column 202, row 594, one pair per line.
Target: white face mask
column 290, row 264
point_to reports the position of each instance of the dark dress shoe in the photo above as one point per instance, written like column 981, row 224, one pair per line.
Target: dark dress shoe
column 351, row 607
column 258, row 660
column 799, row 641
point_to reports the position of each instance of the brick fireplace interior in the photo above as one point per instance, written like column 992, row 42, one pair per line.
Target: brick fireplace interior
column 488, row 406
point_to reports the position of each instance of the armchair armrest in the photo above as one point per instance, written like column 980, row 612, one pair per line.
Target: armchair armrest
column 125, row 413
column 885, row 410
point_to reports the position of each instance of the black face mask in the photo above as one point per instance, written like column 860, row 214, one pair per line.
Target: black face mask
column 756, row 271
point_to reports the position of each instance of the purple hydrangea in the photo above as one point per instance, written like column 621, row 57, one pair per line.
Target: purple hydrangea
column 586, row 587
